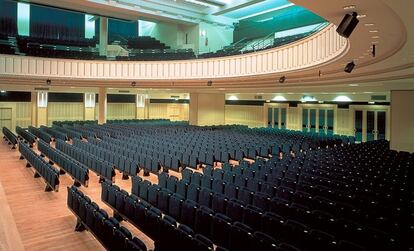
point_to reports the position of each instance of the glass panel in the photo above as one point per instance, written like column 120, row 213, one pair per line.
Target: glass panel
column 312, row 120
column 305, row 120
column 358, row 126
column 23, row 19
column 330, row 121
column 381, row 124
column 283, row 126
column 322, row 121
column 269, row 117
column 370, row 125
column 276, row 117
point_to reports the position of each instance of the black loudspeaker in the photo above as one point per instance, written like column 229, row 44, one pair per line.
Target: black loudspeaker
column 209, row 83
column 348, row 24
column 349, row 67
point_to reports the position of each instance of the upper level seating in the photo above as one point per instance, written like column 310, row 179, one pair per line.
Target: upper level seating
column 145, row 42
column 107, row 230
column 10, row 137
column 43, row 169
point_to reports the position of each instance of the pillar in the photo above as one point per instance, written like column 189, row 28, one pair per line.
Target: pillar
column 140, row 106
column 89, row 106
column 39, row 104
column 103, row 35
column 102, row 105
column 207, row 109
column 402, row 121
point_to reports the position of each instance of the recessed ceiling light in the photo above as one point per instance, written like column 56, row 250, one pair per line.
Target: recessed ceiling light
column 349, row 7
column 373, row 31
column 371, row 102
column 361, row 16
column 375, row 37
column 374, row 42
column 353, row 84
column 368, row 92
column 369, row 24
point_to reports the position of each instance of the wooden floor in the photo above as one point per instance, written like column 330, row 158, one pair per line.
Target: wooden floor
column 31, row 219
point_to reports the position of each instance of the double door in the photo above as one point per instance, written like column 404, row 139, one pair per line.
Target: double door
column 370, row 125
column 276, row 117
column 318, row 120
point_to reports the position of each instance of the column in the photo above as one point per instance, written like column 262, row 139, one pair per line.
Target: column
column 140, row 106
column 103, row 35
column 402, row 121
column 39, row 108
column 207, row 109
column 102, row 105
column 33, row 109
column 89, row 106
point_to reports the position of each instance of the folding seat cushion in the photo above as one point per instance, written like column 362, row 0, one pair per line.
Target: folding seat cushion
column 273, row 225
column 192, row 192
column 83, row 202
column 218, row 186
column 205, row 196
column 167, row 231
column 155, row 166
column 286, row 182
column 90, row 214
column 224, row 156
column 261, row 200
column 209, row 159
column 320, row 240
column 196, row 178
column 193, row 161
column 182, row 188
column 230, row 191
column 137, row 245
column 252, row 217
column 188, row 212
column 269, row 189
column 249, row 172
column 220, row 229
column 172, row 183
column 203, row 243
column 235, row 210
column 203, row 219
column 245, row 195
column 218, row 174
column 239, row 154
column 238, row 170
column 112, row 195
column 120, row 201
column 163, row 198
column 227, row 167
column 152, row 220
column 292, row 175
column 287, row 247
column 219, row 203
column 174, row 205
column 208, row 171
column 206, row 181
column 253, row 185
column 153, row 194
column 297, row 233
column 130, row 205
column 348, row 245
column 229, row 177
column 241, row 237
column 285, row 193
column 162, row 179
column 240, row 181
column 143, row 189
column 264, row 242
column 186, row 175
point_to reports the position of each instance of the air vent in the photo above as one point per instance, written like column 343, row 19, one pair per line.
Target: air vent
column 258, row 97
column 41, row 89
column 123, row 91
column 175, row 97
column 379, row 97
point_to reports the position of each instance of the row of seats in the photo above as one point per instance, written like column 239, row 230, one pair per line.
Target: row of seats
column 28, row 137
column 10, row 137
column 40, row 134
column 77, row 170
column 106, row 229
column 42, row 168
column 125, row 164
column 101, row 168
column 55, row 133
column 172, row 235
column 70, row 133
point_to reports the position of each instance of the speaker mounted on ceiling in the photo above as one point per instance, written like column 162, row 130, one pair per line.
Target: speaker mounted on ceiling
column 349, row 67
column 347, row 25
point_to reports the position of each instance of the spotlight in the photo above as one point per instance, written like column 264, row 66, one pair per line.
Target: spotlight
column 133, row 84
column 348, row 24
column 349, row 67
column 282, row 79
column 209, row 83
column 48, row 82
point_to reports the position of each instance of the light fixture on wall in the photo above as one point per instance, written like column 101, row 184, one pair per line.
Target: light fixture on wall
column 42, row 99
column 133, row 84
column 48, row 82
column 342, row 98
column 279, row 98
column 282, row 79
column 307, row 98
column 90, row 100
column 233, row 97
column 209, row 83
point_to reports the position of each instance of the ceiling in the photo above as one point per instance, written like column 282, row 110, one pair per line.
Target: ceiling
column 386, row 23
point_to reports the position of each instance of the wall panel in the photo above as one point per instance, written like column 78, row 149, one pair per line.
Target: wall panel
column 121, row 110
column 251, row 116
column 62, row 111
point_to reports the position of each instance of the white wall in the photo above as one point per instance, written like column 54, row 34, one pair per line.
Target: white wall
column 217, row 37
column 402, row 120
